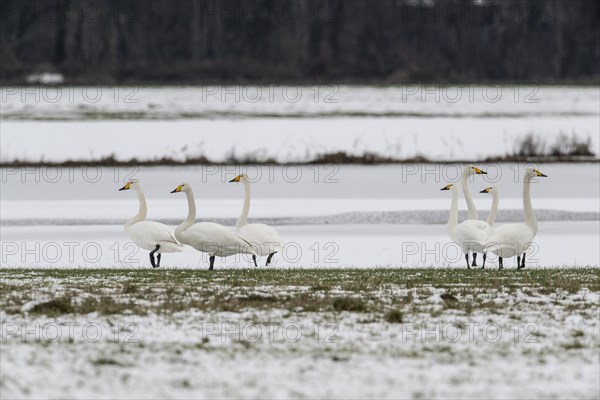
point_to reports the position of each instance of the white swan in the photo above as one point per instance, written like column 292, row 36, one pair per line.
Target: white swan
column 149, row 235
column 208, row 237
column 511, row 240
column 473, row 230
column 463, row 234
column 265, row 239
column 491, row 219
column 469, row 171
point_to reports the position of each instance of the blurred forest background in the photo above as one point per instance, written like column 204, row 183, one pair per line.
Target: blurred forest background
column 346, row 41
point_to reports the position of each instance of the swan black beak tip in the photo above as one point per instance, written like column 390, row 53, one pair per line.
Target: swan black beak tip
column 121, row 189
column 233, row 180
column 173, row 191
column 483, row 191
column 544, row 176
column 444, row 188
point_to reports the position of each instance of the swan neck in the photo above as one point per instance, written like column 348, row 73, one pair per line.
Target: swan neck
column 468, row 197
column 191, row 217
column 453, row 218
column 243, row 219
column 530, row 218
column 143, row 207
column 494, row 210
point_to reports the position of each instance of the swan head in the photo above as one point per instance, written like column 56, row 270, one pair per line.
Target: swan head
column 473, row 170
column 132, row 184
column 448, row 187
column 240, row 178
column 534, row 173
column 489, row 189
column 184, row 187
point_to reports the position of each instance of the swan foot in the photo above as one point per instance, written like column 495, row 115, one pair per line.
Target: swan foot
column 269, row 258
column 152, row 257
column 254, row 259
column 212, row 263
column 522, row 264
column 474, row 260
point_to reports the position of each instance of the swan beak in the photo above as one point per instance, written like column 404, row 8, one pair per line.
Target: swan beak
column 538, row 173
column 177, row 189
column 484, row 191
column 126, row 187
column 479, row 171
column 446, row 187
column 236, row 179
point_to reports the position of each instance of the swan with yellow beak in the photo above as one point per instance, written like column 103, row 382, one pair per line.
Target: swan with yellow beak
column 149, row 235
column 264, row 238
column 208, row 237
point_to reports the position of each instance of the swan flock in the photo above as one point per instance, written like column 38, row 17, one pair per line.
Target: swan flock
column 472, row 235
column 207, row 237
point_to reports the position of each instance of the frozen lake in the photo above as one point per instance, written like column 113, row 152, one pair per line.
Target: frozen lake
column 331, row 215
column 83, row 123
column 350, row 216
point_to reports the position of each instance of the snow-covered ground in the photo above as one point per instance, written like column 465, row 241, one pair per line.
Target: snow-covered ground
column 229, row 101
column 186, row 122
column 282, row 139
column 514, row 341
column 558, row 244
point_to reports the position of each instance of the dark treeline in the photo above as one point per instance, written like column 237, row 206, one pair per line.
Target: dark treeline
column 374, row 41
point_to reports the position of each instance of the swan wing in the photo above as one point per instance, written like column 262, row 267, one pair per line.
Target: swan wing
column 510, row 239
column 174, row 238
column 472, row 234
column 481, row 225
column 263, row 237
column 215, row 239
column 148, row 234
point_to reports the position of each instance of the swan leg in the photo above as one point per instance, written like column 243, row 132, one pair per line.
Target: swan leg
column 254, row 259
column 500, row 266
column 518, row 262
column 157, row 260
column 474, row 260
column 269, row 258
column 467, row 258
column 152, row 256
column 212, row 263
column 522, row 265
column 484, row 257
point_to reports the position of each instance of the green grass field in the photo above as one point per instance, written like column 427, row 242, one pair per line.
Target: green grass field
column 112, row 291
